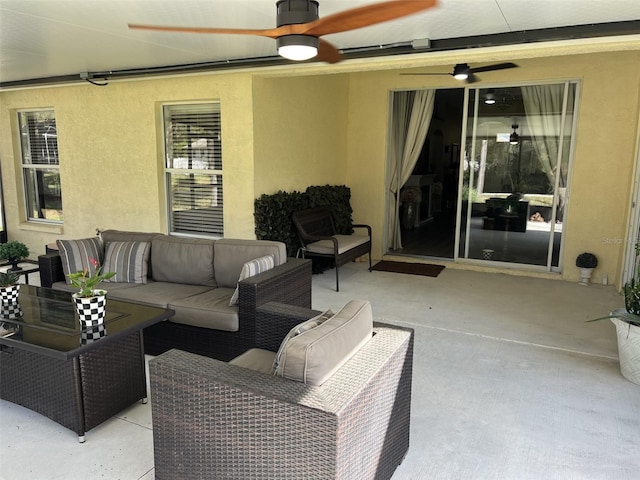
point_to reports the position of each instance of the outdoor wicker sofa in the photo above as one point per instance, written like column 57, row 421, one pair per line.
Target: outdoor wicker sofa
column 223, row 420
column 196, row 278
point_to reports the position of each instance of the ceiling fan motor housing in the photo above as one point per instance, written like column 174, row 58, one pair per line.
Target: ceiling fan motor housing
column 296, row 11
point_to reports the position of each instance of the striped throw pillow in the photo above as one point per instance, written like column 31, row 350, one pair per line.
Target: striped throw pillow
column 76, row 255
column 250, row 269
column 130, row 261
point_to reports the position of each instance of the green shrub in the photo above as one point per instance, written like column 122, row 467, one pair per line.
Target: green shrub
column 273, row 213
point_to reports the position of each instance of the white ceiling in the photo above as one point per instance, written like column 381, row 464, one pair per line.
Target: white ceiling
column 52, row 38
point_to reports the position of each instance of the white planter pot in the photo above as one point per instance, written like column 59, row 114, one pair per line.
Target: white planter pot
column 585, row 275
column 628, row 349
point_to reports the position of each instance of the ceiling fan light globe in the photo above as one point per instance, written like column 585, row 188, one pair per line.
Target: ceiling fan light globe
column 297, row 47
column 461, row 76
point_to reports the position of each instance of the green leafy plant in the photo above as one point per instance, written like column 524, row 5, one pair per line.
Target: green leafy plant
column 86, row 281
column 8, row 278
column 586, row 260
column 13, row 251
column 631, row 292
column 273, row 212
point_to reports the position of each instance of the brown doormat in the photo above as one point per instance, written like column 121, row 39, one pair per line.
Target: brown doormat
column 424, row 269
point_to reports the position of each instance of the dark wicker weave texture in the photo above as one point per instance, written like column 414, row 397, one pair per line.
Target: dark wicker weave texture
column 78, row 393
column 215, row 420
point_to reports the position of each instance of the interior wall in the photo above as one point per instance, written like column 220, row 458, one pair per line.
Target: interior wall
column 604, row 152
column 300, row 132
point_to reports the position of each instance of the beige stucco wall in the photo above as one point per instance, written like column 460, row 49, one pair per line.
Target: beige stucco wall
column 110, row 145
column 300, row 132
column 605, row 150
column 287, row 129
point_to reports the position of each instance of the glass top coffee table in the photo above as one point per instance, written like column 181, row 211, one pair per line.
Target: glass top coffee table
column 77, row 377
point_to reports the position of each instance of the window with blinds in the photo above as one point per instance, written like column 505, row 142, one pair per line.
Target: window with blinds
column 40, row 165
column 193, row 166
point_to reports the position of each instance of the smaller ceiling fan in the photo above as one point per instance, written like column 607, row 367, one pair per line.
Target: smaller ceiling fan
column 463, row 71
column 300, row 27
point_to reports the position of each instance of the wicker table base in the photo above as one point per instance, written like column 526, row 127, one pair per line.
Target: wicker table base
column 78, row 393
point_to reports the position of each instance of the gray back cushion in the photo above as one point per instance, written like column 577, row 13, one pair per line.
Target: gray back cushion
column 182, row 260
column 314, row 355
column 122, row 236
column 231, row 254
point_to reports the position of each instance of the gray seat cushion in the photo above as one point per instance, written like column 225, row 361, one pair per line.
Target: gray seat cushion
column 345, row 243
column 157, row 294
column 209, row 309
column 256, row 359
column 108, row 286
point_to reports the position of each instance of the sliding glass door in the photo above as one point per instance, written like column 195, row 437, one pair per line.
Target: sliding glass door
column 513, row 175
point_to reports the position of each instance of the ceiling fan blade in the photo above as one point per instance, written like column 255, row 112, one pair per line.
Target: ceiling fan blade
column 364, row 16
column 271, row 32
column 497, row 66
column 327, row 52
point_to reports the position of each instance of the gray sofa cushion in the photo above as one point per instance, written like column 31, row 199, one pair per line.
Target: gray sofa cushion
column 232, row 254
column 183, row 260
column 313, row 356
column 107, row 286
column 122, row 236
column 255, row 359
column 209, row 309
column 157, row 294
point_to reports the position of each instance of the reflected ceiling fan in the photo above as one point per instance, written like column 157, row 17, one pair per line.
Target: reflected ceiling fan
column 462, row 71
column 299, row 27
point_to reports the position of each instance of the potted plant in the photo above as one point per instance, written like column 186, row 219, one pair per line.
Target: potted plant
column 14, row 252
column 586, row 262
column 627, row 322
column 90, row 303
column 9, row 287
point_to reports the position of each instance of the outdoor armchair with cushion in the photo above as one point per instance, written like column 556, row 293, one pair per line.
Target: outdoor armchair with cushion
column 238, row 420
column 319, row 238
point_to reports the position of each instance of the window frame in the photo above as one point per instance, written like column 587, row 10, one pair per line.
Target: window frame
column 170, row 171
column 29, row 171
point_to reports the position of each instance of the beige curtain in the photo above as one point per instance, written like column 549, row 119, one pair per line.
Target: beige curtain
column 542, row 103
column 411, row 116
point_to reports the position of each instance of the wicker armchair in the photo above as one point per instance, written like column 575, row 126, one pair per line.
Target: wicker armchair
column 217, row 420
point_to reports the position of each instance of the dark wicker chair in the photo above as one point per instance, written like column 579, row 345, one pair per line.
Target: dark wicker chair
column 319, row 239
column 216, row 420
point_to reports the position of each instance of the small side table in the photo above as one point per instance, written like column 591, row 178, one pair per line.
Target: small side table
column 27, row 266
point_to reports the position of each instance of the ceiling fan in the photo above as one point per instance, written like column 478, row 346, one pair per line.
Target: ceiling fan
column 462, row 71
column 299, row 27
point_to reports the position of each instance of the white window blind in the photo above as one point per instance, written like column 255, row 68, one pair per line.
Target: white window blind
column 40, row 165
column 193, row 165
